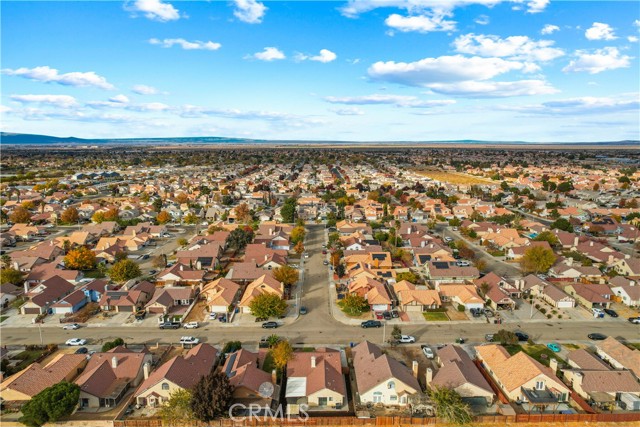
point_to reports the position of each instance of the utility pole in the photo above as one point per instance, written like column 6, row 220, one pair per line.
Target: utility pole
column 384, row 331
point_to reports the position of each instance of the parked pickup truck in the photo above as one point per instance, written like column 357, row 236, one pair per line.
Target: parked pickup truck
column 170, row 325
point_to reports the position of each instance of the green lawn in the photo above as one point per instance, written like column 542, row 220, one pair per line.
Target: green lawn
column 93, row 274
column 540, row 352
column 633, row 345
column 27, row 357
column 435, row 316
column 3, row 318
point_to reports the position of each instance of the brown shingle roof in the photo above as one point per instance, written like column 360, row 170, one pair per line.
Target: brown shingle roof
column 373, row 368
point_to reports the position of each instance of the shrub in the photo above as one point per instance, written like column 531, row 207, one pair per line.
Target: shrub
column 554, row 311
column 549, row 316
column 559, row 316
column 461, row 308
column 537, row 306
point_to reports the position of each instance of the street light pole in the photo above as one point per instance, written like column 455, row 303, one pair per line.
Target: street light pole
column 384, row 331
column 40, row 330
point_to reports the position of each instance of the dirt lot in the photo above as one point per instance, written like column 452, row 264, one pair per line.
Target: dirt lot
column 452, row 177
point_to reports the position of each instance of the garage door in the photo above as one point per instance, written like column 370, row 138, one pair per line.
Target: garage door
column 413, row 308
column 565, row 304
column 379, row 307
column 474, row 305
column 31, row 310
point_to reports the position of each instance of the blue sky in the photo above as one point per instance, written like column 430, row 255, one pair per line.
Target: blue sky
column 533, row 70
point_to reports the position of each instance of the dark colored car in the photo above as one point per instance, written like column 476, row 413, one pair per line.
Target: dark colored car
column 522, row 336
column 395, row 314
column 82, row 350
column 303, row 310
column 597, row 337
column 610, row 312
column 170, row 325
column 222, row 318
column 386, row 315
column 371, row 324
column 270, row 325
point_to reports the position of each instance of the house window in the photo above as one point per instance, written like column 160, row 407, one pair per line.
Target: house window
column 539, row 385
column 403, row 399
column 165, row 386
column 377, row 397
column 391, row 385
column 393, row 397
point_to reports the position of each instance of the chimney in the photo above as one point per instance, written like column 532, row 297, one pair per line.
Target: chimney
column 591, row 243
column 422, row 244
column 578, row 378
column 428, row 377
column 16, row 265
column 575, row 241
column 266, row 257
column 274, row 377
column 114, row 362
column 26, row 287
column 313, row 361
column 553, row 364
column 145, row 370
column 181, row 267
column 414, row 368
column 569, row 261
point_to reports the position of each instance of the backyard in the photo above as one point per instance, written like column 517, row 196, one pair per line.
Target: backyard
column 538, row 351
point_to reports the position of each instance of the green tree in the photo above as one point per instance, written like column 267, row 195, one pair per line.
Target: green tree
column 163, row 217
column 537, row 259
column 267, row 305
column 10, row 275
column 408, row 276
column 340, row 270
column 354, row 305
column 505, row 337
column 450, row 406
column 396, row 333
column 81, row 258
column 231, row 347
column 182, row 241
column 211, row 397
column 112, row 344
column 51, row 404
column 562, row 224
column 177, row 410
column 157, row 204
column 190, row 218
column 239, row 238
column 297, row 234
column 98, row 217
column 565, row 187
column 288, row 210
column 5, row 261
column 547, row 236
column 124, row 270
column 286, row 274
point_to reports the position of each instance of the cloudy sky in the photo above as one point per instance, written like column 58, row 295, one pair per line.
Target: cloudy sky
column 530, row 70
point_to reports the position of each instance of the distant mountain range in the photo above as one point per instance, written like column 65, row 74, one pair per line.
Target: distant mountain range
column 31, row 139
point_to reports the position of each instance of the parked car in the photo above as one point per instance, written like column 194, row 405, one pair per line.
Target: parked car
column 395, row 314
column 371, row 324
column 522, row 336
column 462, row 263
column 140, row 314
column 324, row 252
column 428, row 352
column 597, row 336
column 191, row 325
column 325, row 262
column 71, row 326
column 76, row 341
column 386, row 315
column 553, row 347
column 489, row 337
column 82, row 350
column 476, row 312
column 448, row 239
column 222, row 318
column 189, row 340
column 213, row 316
column 270, row 325
column 379, row 315
column 611, row 312
column 306, row 255
column 303, row 310
column 634, row 320
column 169, row 325
column 488, row 312
column 406, row 339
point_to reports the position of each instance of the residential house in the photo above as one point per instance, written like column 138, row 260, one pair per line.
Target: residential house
column 628, row 294
column 244, row 272
column 172, row 301
column 220, row 295
column 520, row 377
column 44, row 295
column 418, row 299
column 458, row 372
column 373, row 291
column 629, row 267
column 381, row 379
column 590, row 295
column 108, row 377
column 466, row 295
column 179, row 373
column 8, row 293
column 265, row 284
column 619, row 355
column 180, row 274
column 499, row 293
column 25, row 384
column 248, row 379
column 315, row 379
column 556, row 297
column 449, row 272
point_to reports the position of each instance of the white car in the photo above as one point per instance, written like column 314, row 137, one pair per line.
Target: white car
column 406, row 339
column 189, row 340
column 76, row 341
column 463, row 264
column 71, row 326
column 428, row 352
column 191, row 325
column 448, row 239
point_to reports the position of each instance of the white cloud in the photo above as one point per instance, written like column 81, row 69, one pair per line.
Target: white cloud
column 352, row 111
column 249, row 11
column 632, row 39
column 384, row 99
column 155, row 10
column 549, row 29
column 608, row 58
column 151, row 106
column 489, row 89
column 324, row 56
column 51, row 75
column 420, row 23
column 600, row 31
column 442, row 69
column 62, row 101
column 145, row 90
column 5, row 109
column 185, row 44
column 582, row 105
column 482, row 20
column 537, row 6
column 120, row 99
column 514, row 47
column 269, row 54
column 636, row 23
